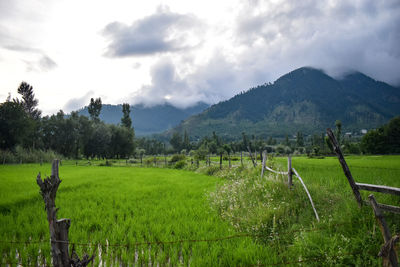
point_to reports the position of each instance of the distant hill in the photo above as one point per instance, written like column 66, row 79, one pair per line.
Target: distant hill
column 304, row 100
column 148, row 120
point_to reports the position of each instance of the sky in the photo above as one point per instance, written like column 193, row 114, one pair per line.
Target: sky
column 182, row 51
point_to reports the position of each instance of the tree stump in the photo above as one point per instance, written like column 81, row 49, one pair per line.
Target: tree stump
column 58, row 228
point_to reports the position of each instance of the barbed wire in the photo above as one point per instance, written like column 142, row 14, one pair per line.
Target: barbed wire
column 209, row 240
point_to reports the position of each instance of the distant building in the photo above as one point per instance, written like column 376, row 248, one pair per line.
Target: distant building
column 363, row 131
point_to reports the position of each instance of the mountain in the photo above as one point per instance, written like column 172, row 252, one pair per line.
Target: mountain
column 148, row 120
column 306, row 100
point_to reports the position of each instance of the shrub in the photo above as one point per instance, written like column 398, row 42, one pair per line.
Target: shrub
column 177, row 157
column 260, row 206
column 180, row 164
column 21, row 155
column 212, row 170
column 107, row 163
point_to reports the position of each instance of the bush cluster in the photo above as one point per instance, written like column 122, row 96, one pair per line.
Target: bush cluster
column 21, row 155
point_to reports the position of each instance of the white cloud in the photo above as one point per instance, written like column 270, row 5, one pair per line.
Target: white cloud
column 191, row 51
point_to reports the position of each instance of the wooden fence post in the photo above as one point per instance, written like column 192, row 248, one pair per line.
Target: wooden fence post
column 264, row 157
column 345, row 168
column 58, row 228
column 241, row 158
column 388, row 253
column 290, row 172
column 220, row 161
column 252, row 159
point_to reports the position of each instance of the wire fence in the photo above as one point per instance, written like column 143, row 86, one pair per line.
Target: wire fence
column 134, row 245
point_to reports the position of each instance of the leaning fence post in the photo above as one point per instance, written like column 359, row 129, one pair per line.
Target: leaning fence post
column 388, row 253
column 345, row 168
column 251, row 156
column 290, row 172
column 58, row 228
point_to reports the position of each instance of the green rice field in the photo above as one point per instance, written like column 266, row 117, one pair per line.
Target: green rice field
column 163, row 217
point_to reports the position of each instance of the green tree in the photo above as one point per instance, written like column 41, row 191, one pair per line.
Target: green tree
column 176, row 141
column 13, row 124
column 29, row 102
column 299, row 139
column 94, row 109
column 126, row 119
column 186, row 141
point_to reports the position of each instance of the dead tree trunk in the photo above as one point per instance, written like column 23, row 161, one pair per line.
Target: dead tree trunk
column 58, row 228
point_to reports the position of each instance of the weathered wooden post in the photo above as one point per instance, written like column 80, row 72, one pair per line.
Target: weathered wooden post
column 264, row 157
column 388, row 253
column 209, row 161
column 345, row 168
column 241, row 158
column 58, row 228
column 220, row 161
column 252, row 159
column 290, row 172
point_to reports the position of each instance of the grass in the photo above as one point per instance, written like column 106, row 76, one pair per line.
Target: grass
column 121, row 205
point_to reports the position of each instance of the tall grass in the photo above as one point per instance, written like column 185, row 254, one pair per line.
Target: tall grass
column 119, row 205
column 21, row 155
column 123, row 205
column 346, row 235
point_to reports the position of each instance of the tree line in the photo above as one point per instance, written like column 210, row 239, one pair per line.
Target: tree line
column 23, row 126
column 73, row 136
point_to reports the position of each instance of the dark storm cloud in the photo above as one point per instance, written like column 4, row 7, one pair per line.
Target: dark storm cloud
column 163, row 31
column 274, row 39
column 336, row 36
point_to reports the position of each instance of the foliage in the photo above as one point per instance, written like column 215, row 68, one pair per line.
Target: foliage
column 13, row 124
column 384, row 140
column 126, row 119
column 180, row 164
column 94, row 108
column 29, row 103
column 177, row 157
